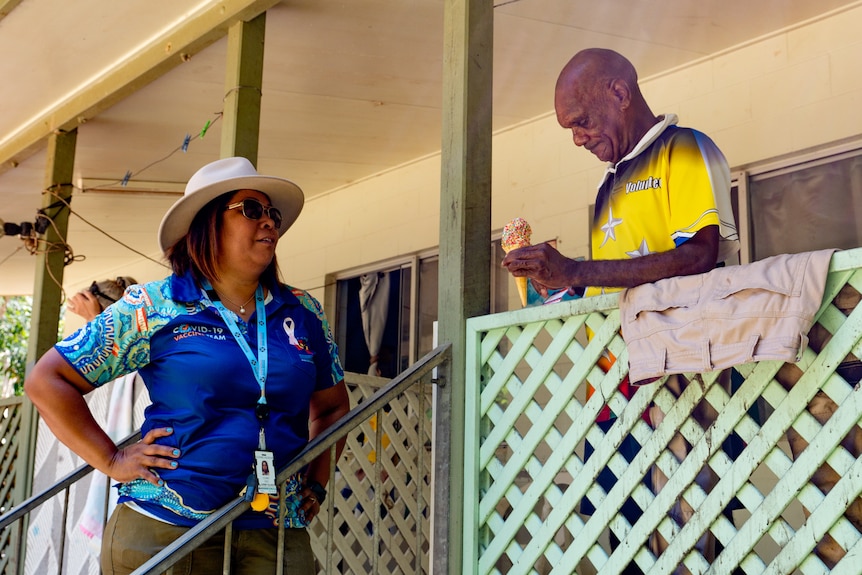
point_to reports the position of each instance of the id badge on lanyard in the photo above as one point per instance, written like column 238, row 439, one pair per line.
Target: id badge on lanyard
column 264, row 459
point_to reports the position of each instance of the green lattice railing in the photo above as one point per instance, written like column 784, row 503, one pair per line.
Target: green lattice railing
column 10, row 477
column 768, row 474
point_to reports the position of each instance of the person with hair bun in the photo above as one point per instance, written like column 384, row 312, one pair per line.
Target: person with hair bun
column 122, row 410
column 92, row 301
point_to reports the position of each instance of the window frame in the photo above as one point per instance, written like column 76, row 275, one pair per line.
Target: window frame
column 743, row 177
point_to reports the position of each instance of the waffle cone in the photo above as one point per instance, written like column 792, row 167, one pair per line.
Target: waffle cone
column 521, row 284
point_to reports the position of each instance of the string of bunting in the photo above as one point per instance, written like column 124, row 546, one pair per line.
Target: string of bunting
column 183, row 147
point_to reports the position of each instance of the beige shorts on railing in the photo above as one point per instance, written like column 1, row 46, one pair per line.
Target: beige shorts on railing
column 726, row 317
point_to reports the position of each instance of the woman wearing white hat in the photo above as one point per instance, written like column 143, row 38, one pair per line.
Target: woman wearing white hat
column 241, row 370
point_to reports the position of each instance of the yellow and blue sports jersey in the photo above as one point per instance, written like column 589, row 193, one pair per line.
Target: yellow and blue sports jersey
column 675, row 182
column 202, row 385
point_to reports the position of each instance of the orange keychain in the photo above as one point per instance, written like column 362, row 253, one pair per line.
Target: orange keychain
column 260, row 501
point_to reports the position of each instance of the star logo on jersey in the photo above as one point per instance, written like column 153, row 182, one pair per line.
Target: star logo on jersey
column 643, row 250
column 610, row 227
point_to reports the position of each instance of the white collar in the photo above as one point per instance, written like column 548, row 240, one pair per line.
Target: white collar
column 664, row 122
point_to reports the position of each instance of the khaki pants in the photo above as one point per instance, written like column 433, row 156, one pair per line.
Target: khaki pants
column 131, row 539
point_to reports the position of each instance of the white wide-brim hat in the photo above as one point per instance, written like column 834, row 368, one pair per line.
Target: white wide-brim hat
column 222, row 176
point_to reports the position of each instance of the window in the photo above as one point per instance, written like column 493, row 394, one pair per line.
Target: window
column 391, row 310
column 808, row 204
column 372, row 316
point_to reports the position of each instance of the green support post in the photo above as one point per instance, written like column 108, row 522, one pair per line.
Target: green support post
column 244, row 79
column 47, row 299
column 465, row 260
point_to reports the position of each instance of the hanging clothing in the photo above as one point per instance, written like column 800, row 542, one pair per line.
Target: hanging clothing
column 374, row 305
column 725, row 317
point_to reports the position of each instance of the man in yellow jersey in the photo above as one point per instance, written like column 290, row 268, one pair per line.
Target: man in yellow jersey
column 662, row 209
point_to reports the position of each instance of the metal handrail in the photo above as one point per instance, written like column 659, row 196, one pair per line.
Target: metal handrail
column 32, row 502
column 222, row 517
column 219, row 519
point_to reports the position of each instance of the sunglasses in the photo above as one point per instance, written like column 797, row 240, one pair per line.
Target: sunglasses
column 94, row 289
column 254, row 210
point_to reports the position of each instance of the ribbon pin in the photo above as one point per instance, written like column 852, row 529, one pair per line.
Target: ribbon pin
column 289, row 330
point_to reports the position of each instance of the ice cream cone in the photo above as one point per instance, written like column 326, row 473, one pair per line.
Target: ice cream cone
column 521, row 284
column 516, row 234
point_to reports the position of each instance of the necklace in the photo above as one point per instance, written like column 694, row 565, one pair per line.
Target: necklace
column 241, row 306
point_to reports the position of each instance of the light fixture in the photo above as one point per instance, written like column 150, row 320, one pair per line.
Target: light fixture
column 25, row 229
column 10, row 229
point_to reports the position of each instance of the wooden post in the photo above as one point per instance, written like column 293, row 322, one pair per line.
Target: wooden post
column 465, row 260
column 243, row 81
column 47, row 297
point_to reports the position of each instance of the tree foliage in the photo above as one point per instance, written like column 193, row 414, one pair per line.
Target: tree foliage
column 14, row 329
column 15, row 315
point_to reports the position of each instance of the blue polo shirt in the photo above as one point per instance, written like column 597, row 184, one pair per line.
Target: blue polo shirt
column 202, row 385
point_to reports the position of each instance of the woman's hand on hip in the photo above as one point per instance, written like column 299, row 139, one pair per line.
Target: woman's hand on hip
column 143, row 459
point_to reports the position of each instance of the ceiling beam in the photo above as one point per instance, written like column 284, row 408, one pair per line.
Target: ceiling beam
column 7, row 6
column 208, row 23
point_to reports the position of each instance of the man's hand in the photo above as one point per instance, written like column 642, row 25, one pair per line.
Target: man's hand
column 544, row 265
column 549, row 269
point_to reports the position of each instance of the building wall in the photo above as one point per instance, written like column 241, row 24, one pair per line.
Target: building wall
column 792, row 91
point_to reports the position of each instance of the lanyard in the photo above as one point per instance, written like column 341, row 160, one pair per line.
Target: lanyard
column 258, row 364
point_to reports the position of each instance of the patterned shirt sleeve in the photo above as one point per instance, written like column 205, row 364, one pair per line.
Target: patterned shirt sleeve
column 310, row 303
column 115, row 343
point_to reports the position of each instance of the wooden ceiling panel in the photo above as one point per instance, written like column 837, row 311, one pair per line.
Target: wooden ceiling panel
column 351, row 87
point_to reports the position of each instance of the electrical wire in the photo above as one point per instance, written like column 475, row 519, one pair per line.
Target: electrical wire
column 100, row 230
column 10, row 255
column 326, row 285
column 37, row 246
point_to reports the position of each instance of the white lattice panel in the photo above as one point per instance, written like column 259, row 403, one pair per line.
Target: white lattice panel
column 379, row 502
